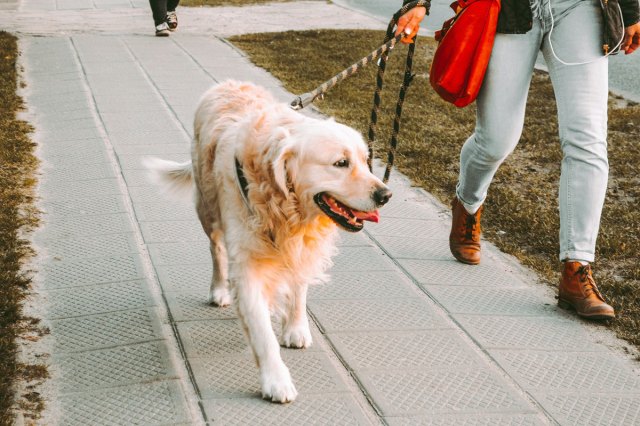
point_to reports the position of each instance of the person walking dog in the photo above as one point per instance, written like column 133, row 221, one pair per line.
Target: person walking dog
column 164, row 16
column 570, row 35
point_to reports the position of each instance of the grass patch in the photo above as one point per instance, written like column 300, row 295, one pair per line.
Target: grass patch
column 217, row 3
column 521, row 213
column 17, row 216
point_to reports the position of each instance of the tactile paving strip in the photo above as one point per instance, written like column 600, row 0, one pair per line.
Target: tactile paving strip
column 88, row 247
column 83, row 206
column 136, row 178
column 127, row 138
column 455, row 273
column 499, row 301
column 135, row 162
column 152, row 120
column 361, row 259
column 404, row 349
column 407, row 210
column 180, row 253
column 402, row 227
column 440, row 391
column 146, row 194
column 64, row 116
column 157, row 150
column 143, row 132
column 190, row 306
column 80, row 189
column 80, row 172
column 592, row 409
column 528, row 333
column 83, row 226
column 329, row 410
column 92, row 350
column 176, row 231
column 191, row 278
column 230, row 377
column 364, row 285
column 415, row 248
column 80, row 272
column 353, row 239
column 165, row 211
column 105, row 330
column 61, row 157
column 118, row 366
column 213, row 338
column 468, row 420
column 375, row 314
column 97, row 299
column 70, row 102
column 150, row 403
column 56, row 147
column 566, row 371
column 69, row 134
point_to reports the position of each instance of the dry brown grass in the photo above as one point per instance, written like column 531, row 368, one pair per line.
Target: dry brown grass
column 521, row 214
column 17, row 216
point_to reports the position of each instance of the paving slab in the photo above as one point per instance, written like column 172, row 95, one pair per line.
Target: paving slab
column 403, row 334
column 150, row 403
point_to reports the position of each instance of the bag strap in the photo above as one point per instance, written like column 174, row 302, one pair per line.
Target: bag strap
column 461, row 4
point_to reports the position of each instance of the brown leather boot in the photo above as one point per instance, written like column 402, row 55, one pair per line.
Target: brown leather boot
column 578, row 291
column 464, row 239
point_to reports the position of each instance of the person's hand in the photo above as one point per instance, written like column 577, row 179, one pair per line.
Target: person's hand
column 409, row 24
column 631, row 38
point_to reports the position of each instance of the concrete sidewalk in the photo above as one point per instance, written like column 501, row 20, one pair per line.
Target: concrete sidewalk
column 403, row 334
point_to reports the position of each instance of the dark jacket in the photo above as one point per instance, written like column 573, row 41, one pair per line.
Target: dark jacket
column 516, row 17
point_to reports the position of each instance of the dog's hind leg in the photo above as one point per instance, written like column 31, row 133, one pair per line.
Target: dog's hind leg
column 253, row 310
column 295, row 324
column 219, row 291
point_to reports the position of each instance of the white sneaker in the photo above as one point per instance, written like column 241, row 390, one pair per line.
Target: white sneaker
column 162, row 30
column 172, row 20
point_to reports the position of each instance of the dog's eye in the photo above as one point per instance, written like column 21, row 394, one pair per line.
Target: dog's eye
column 342, row 163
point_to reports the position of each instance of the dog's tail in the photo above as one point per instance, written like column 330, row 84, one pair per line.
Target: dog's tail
column 175, row 178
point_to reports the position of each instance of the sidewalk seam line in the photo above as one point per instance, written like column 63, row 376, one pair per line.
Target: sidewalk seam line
column 172, row 323
column 350, row 371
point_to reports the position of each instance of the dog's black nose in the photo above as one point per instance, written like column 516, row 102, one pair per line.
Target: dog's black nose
column 381, row 196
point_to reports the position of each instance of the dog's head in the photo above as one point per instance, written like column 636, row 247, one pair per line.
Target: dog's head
column 325, row 164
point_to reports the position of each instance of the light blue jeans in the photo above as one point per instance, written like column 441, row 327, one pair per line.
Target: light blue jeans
column 581, row 96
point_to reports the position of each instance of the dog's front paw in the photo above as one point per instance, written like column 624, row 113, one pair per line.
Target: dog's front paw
column 298, row 336
column 277, row 385
column 220, row 297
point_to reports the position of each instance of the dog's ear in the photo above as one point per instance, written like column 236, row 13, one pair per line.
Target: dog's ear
column 281, row 139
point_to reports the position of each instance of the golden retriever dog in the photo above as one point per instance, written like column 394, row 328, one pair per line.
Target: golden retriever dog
column 272, row 187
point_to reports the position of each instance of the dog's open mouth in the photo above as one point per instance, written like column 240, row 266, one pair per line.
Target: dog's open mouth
column 350, row 219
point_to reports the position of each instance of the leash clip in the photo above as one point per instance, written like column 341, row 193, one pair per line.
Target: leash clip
column 302, row 101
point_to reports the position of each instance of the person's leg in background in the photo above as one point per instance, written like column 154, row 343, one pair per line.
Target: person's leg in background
column 159, row 11
column 172, row 17
column 500, row 116
column 581, row 90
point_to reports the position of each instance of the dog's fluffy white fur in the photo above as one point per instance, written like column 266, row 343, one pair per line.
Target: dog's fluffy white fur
column 305, row 178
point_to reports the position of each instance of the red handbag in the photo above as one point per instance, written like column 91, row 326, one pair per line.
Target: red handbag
column 464, row 48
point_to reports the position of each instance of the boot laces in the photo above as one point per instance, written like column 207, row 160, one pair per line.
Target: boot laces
column 587, row 281
column 470, row 226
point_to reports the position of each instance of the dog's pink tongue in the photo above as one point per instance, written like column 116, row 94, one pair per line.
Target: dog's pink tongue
column 373, row 216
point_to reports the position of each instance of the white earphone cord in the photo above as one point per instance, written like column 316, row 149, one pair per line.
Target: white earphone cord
column 578, row 63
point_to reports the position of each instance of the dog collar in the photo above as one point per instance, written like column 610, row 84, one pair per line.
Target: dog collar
column 243, row 185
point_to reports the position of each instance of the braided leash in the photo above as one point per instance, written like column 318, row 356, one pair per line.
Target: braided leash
column 381, row 52
column 408, row 78
column 307, row 98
